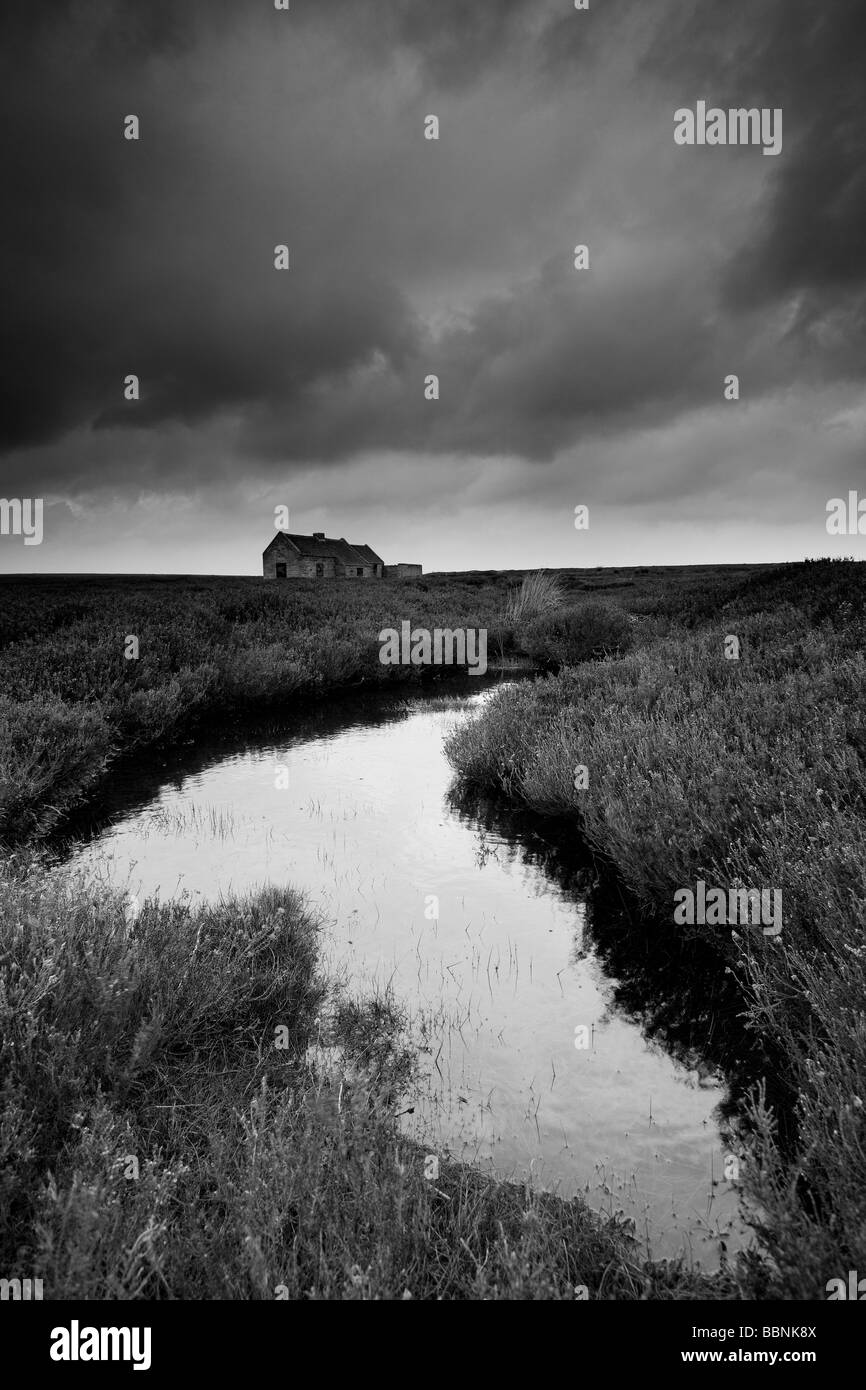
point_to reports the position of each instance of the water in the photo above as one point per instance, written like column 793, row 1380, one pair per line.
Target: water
column 456, row 911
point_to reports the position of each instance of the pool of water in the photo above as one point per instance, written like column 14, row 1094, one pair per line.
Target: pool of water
column 532, row 1069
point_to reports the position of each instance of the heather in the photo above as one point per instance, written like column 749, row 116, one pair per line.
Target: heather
column 749, row 771
column 156, row 1142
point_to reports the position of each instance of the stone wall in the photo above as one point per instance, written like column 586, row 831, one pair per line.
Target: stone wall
column 403, row 571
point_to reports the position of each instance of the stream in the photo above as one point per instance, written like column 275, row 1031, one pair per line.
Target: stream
column 531, row 1068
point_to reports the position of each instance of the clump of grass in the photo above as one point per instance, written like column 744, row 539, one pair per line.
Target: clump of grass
column 51, row 753
column 539, row 596
column 144, row 1018
column 585, row 632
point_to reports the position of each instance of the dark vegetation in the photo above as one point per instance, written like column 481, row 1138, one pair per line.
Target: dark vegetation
column 157, row 1143
column 585, row 632
column 268, row 1170
column 749, row 772
column 71, row 702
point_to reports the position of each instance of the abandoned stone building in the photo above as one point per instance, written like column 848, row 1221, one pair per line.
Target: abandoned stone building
column 291, row 556
column 402, row 571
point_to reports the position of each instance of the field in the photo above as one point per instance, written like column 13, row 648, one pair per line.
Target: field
column 151, row 1038
column 71, row 701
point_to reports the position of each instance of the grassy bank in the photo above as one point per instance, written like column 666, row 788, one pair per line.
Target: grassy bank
column 752, row 772
column 71, row 701
column 157, row 1142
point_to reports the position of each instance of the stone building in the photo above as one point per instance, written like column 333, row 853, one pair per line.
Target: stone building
column 402, row 571
column 316, row 557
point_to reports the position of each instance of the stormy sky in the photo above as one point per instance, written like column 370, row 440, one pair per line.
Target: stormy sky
column 409, row 257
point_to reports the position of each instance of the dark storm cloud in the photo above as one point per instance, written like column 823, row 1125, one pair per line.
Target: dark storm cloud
column 805, row 56
column 808, row 58
column 111, row 266
column 108, row 266
column 119, row 30
column 454, row 40
column 534, row 370
column 156, row 257
column 812, row 237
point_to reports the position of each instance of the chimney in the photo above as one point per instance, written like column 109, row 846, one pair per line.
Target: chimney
column 318, row 535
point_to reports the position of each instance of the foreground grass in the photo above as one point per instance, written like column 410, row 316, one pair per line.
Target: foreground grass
column 157, row 1143
column 749, row 771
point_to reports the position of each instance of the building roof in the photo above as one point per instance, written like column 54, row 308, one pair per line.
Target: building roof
column 369, row 555
column 324, row 548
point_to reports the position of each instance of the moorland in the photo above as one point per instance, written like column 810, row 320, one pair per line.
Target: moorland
column 265, row 1172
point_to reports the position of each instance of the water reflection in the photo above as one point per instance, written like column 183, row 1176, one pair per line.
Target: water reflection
column 497, row 930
